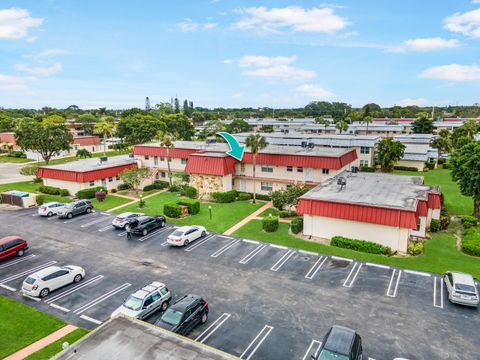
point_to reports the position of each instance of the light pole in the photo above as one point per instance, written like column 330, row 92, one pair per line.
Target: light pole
column 210, row 211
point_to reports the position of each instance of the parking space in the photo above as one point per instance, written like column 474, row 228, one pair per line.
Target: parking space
column 376, row 280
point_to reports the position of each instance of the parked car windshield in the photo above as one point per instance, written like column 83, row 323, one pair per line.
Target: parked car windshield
column 465, row 288
column 172, row 317
column 177, row 233
column 330, row 355
column 133, row 303
column 69, row 206
column 30, row 280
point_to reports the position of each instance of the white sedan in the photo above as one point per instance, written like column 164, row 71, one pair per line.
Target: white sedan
column 41, row 283
column 186, row 234
column 50, row 209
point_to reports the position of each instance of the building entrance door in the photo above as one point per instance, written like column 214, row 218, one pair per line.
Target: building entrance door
column 243, row 185
column 309, row 174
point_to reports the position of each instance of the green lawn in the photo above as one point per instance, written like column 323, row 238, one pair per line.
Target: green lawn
column 440, row 252
column 110, row 201
column 154, row 205
column 54, row 348
column 21, row 325
column 454, row 201
column 271, row 210
column 30, row 186
column 13, row 159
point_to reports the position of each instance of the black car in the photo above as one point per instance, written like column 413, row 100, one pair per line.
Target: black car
column 186, row 313
column 340, row 343
column 142, row 225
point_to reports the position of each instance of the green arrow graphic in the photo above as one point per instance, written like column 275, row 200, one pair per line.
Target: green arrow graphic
column 236, row 150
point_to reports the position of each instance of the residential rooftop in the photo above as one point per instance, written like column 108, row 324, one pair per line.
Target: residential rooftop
column 379, row 190
column 91, row 164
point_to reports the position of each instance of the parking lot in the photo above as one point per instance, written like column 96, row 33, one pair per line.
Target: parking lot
column 266, row 301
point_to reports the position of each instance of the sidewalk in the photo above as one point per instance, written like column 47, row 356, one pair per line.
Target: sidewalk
column 252, row 216
column 40, row 344
column 134, row 201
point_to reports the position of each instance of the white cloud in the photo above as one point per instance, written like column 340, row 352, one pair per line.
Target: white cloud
column 424, row 45
column 46, row 53
column 452, row 72
column 188, row 26
column 263, row 61
column 314, row 91
column 413, row 102
column 12, row 83
column 15, row 23
column 210, row 25
column 39, row 70
column 467, row 23
column 283, row 72
column 228, row 61
column 295, row 18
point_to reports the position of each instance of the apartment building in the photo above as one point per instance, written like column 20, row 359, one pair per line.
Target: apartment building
column 418, row 150
column 89, row 143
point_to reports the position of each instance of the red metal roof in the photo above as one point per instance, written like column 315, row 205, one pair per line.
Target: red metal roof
column 422, row 208
column 434, row 200
column 82, row 177
column 8, row 137
column 86, row 140
column 210, row 165
column 161, row 151
column 362, row 213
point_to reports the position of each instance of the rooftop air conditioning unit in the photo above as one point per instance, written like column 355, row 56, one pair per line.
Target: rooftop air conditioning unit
column 103, row 159
column 131, row 155
column 304, row 144
column 354, row 169
column 341, row 182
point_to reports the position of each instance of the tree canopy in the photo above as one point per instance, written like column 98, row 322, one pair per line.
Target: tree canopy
column 388, row 153
column 422, row 125
column 138, row 129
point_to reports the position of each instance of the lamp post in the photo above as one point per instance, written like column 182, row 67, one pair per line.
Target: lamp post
column 210, row 211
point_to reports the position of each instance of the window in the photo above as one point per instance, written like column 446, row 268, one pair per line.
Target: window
column 93, row 148
column 155, row 160
column 289, row 168
column 110, row 179
column 242, row 167
column 169, row 159
column 92, row 183
column 157, row 176
column 267, row 168
column 147, row 157
column 266, row 186
column 117, row 177
column 364, row 150
column 164, row 291
column 300, row 169
column 148, row 301
column 325, row 171
column 163, row 174
column 184, row 161
column 156, row 296
column 419, row 223
column 363, row 163
column 162, row 159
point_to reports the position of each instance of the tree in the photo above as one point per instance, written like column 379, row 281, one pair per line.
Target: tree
column 167, row 141
column 322, row 121
column 464, row 134
column 176, row 105
column 255, row 142
column 388, row 153
column 341, row 125
column 54, row 119
column 443, row 143
column 423, row 125
column 138, row 129
column 238, row 126
column 367, row 120
column 179, row 126
column 465, row 165
column 105, row 128
column 134, row 176
column 87, row 120
column 185, row 107
column 371, row 108
column 46, row 139
column 83, row 154
column 6, row 122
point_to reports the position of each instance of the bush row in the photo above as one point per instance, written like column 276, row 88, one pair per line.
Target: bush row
column 225, row 197
column 51, row 190
column 360, row 245
column 434, row 225
column 172, row 210
column 296, row 225
column 471, row 242
column 122, row 187
column 367, row 169
column 469, row 221
column 430, row 165
column 405, row 168
column 184, row 190
column 17, row 154
column 157, row 185
column 89, row 193
column 193, row 205
column 287, row 214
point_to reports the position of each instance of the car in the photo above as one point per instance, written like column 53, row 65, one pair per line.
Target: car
column 146, row 301
column 142, row 225
column 123, row 219
column 185, row 235
column 340, row 343
column 50, row 209
column 461, row 288
column 184, row 315
column 75, row 208
column 11, row 246
column 43, row 282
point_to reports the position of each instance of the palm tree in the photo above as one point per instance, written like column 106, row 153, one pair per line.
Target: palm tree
column 255, row 142
column 341, row 125
column 105, row 128
column 322, row 121
column 368, row 120
column 167, row 141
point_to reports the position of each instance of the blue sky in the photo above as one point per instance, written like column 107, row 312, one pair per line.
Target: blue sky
column 238, row 53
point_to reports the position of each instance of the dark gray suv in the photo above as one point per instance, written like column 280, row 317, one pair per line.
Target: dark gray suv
column 340, row 343
column 76, row 208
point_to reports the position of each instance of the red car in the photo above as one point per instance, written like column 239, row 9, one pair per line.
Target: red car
column 11, row 246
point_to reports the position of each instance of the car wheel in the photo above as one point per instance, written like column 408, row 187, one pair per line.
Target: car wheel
column 89, row 210
column 77, row 278
column 20, row 252
column 69, row 215
column 162, row 224
column 44, row 293
column 164, row 305
column 50, row 214
column 203, row 233
column 186, row 242
column 204, row 318
column 144, row 232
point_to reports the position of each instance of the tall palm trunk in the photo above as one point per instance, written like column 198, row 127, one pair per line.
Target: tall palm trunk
column 105, row 143
column 367, row 128
column 254, row 184
column 168, row 166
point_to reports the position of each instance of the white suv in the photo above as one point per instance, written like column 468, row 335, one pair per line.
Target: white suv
column 41, row 283
column 145, row 301
column 461, row 288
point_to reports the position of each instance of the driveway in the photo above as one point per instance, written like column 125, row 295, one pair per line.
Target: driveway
column 10, row 172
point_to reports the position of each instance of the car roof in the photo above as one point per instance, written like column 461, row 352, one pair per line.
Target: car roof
column 340, row 340
column 125, row 214
column 185, row 228
column 9, row 238
column 51, row 203
column 186, row 301
column 463, row 278
column 44, row 272
column 144, row 217
column 148, row 289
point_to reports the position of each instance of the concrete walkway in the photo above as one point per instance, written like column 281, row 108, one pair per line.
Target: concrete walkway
column 40, row 344
column 279, row 219
column 136, row 200
column 123, row 196
column 252, row 216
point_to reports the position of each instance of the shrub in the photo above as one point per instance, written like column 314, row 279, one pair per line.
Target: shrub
column 446, row 166
column 278, row 199
column 89, row 193
column 123, row 187
column 225, row 197
column 50, row 190
column 287, row 214
column 444, row 222
column 405, row 168
column 190, row 192
column 441, row 161
column 360, row 245
column 425, row 169
column 100, row 195
column 469, row 221
column 172, row 210
column 64, row 192
column 37, row 180
column 161, row 184
column 113, row 191
column 471, row 242
column 263, row 197
column 415, row 248
column 175, row 188
column 270, row 223
column 30, row 170
column 40, row 199
column 192, row 204
column 244, row 196
column 367, row 169
column 296, row 225
column 434, row 225
column 430, row 165
column 17, row 154
column 149, row 187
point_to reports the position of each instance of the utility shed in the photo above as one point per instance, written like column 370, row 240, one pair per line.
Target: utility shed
column 123, row 338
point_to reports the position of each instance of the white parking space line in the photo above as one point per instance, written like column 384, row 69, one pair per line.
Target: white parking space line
column 27, row 272
column 212, row 328
column 6, row 287
column 341, row 258
column 152, row 234
column 394, row 279
column 312, row 349
column 438, row 302
column 225, row 237
column 122, row 233
column 32, row 298
column 61, row 308
column 94, row 222
column 380, row 266
column 165, row 243
column 257, row 341
column 420, row 273
column 316, row 267
column 13, row 262
column 92, row 320
column 352, row 275
column 53, row 217
column 199, row 243
column 101, row 298
column 279, row 246
column 252, row 253
column 105, row 213
column 282, row 260
column 225, row 248
column 106, row 228
column 308, row 252
column 74, row 289
column 80, row 217
column 251, row 241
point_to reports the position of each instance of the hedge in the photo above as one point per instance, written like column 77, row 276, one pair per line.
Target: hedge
column 30, row 170
column 244, row 196
column 192, row 204
column 225, row 197
column 161, row 184
column 287, row 214
column 367, row 169
column 190, row 192
column 270, row 223
column 360, row 245
column 17, row 154
column 149, row 187
column 434, row 225
column 123, row 187
column 172, row 210
column 40, row 199
column 296, row 225
column 430, row 165
column 469, row 221
column 257, row 196
column 51, row 190
column 89, row 193
column 471, row 242
column 405, row 168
